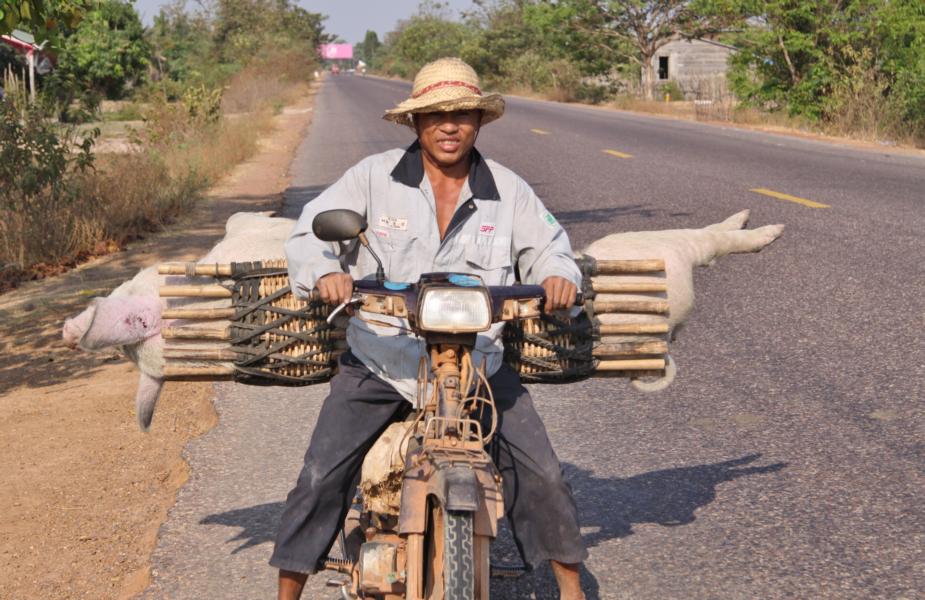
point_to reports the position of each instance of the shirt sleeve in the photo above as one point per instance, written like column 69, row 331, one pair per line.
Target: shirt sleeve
column 308, row 257
column 540, row 244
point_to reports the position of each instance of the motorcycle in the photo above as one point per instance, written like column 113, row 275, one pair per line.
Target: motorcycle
column 430, row 496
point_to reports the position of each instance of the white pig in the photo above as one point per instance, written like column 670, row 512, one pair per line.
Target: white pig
column 130, row 317
column 682, row 250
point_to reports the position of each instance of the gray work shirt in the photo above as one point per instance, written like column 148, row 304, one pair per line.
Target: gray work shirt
column 498, row 222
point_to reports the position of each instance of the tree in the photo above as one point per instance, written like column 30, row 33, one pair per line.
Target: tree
column 368, row 48
column 798, row 54
column 422, row 39
column 181, row 43
column 640, row 28
column 42, row 18
column 106, row 51
column 900, row 26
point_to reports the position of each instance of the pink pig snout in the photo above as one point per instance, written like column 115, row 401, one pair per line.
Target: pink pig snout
column 75, row 327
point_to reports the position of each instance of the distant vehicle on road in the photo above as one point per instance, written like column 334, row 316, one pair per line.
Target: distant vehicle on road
column 335, row 70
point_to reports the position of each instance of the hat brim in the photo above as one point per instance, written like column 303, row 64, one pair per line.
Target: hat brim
column 491, row 105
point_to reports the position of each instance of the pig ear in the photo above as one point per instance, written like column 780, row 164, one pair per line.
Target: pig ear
column 149, row 390
column 122, row 320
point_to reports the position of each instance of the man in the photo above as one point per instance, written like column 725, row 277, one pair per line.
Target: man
column 437, row 206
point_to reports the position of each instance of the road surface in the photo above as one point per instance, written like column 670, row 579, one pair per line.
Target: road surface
column 788, row 458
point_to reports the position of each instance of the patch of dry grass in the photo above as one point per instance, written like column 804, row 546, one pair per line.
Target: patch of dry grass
column 125, row 196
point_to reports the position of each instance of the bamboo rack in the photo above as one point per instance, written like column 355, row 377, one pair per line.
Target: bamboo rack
column 254, row 327
column 285, row 332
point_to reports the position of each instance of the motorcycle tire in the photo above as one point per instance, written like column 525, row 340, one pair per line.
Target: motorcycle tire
column 458, row 561
column 450, row 555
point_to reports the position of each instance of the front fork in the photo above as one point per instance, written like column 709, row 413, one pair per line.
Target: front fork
column 445, row 362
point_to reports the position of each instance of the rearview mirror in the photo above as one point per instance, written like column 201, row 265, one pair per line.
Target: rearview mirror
column 338, row 225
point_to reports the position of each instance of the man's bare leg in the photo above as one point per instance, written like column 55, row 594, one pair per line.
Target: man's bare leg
column 291, row 584
column 568, row 579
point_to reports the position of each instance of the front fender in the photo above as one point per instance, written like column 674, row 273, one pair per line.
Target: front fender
column 472, row 488
column 457, row 488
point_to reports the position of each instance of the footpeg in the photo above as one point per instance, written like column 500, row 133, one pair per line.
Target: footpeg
column 507, row 572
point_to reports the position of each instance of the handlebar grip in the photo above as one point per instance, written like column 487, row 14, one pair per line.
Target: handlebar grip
column 579, row 298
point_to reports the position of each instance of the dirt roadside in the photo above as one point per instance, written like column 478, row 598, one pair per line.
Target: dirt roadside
column 82, row 490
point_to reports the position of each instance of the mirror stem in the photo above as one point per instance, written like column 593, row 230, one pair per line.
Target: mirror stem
column 380, row 272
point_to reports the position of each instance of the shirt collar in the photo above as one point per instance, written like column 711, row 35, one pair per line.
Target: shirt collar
column 410, row 171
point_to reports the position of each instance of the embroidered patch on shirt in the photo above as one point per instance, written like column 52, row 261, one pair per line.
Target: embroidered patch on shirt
column 550, row 220
column 393, row 223
column 381, row 233
column 487, row 229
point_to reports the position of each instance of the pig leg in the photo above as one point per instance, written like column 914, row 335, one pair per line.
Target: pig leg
column 736, row 221
column 149, row 390
column 710, row 244
column 750, row 240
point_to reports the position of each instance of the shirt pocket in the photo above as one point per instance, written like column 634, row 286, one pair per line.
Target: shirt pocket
column 400, row 262
column 492, row 263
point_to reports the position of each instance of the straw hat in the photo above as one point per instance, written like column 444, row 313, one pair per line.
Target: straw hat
column 444, row 85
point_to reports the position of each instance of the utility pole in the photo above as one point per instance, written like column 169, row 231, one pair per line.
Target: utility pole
column 31, row 58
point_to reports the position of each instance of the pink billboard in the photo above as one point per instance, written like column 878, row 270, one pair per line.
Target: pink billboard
column 336, row 51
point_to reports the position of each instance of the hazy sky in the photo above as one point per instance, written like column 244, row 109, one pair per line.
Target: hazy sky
column 347, row 18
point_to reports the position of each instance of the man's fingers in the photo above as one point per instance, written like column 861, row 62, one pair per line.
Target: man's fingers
column 335, row 288
column 568, row 294
column 560, row 293
column 346, row 289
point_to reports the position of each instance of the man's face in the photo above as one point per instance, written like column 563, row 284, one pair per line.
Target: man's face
column 447, row 137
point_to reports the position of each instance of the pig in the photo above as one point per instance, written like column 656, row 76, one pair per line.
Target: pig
column 130, row 317
column 682, row 250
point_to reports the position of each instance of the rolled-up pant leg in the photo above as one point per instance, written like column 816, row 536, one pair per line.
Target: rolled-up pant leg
column 537, row 500
column 358, row 408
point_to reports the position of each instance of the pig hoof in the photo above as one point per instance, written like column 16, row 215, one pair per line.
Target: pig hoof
column 736, row 221
column 657, row 385
column 769, row 233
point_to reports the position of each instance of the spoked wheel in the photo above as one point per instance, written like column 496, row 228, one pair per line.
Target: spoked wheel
column 452, row 554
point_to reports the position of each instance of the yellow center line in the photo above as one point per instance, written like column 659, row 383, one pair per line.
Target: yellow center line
column 540, row 131
column 617, row 154
column 789, row 198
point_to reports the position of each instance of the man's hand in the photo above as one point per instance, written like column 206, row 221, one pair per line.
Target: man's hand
column 335, row 288
column 560, row 293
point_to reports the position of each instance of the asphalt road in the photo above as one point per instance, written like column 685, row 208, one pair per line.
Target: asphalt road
column 787, row 459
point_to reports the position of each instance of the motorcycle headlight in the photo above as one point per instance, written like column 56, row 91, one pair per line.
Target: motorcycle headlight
column 455, row 310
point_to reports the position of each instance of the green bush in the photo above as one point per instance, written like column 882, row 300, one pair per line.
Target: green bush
column 593, row 93
column 202, row 105
column 672, row 90
column 41, row 166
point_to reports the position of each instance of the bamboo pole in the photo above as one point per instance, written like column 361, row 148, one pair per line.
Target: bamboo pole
column 659, row 307
column 642, row 364
column 632, row 328
column 182, row 372
column 618, row 267
column 209, row 270
column 219, row 354
column 223, row 334
column 630, row 348
column 640, row 287
column 197, row 333
column 195, row 291
column 204, row 314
